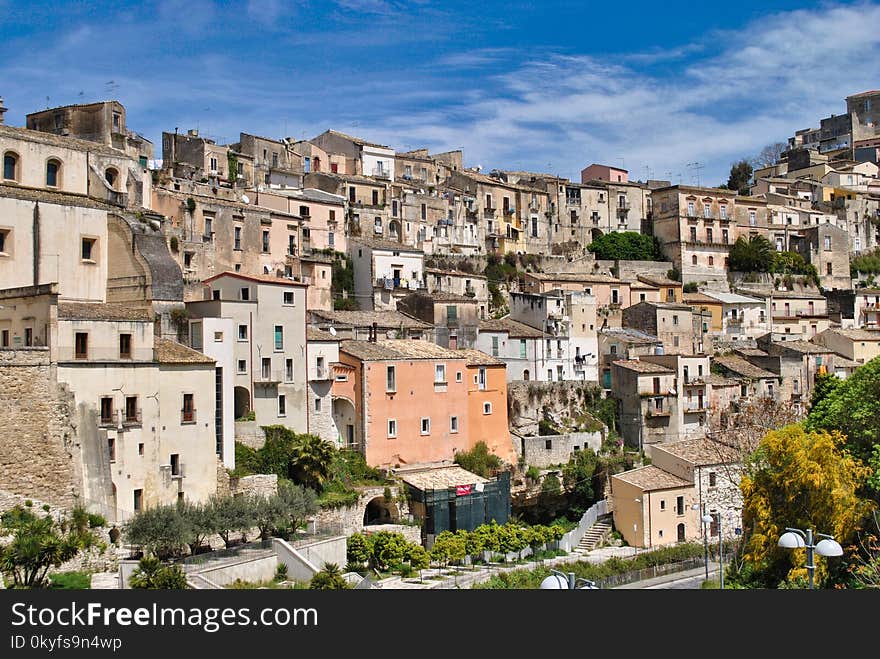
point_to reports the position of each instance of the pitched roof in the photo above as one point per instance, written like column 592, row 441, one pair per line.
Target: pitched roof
column 640, row 366
column 857, row 334
column 378, row 243
column 701, row 451
column 733, row 298
column 699, row 298
column 60, row 198
column 513, row 328
column 658, row 280
column 751, row 352
column 172, row 352
column 457, row 273
column 103, row 311
column 719, row 380
column 357, row 140
column 391, row 349
column 798, row 346
column 742, row 367
column 383, row 319
column 263, row 279
column 315, row 334
column 575, row 276
column 62, row 141
column 630, row 335
column 652, row 478
column 479, row 358
column 439, row 478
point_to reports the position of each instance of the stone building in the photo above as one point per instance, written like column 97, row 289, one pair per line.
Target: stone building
column 323, row 356
column 275, row 162
column 384, row 272
column 670, row 322
column 648, row 401
column 455, row 317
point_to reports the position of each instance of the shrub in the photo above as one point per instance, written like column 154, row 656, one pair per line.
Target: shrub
column 152, row 574
column 281, row 572
column 479, row 460
column 70, row 581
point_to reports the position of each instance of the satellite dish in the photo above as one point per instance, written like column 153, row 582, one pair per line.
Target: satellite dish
column 245, row 199
column 390, row 334
column 332, row 331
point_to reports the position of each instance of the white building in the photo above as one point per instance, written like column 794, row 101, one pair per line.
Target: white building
column 741, row 315
column 323, row 352
column 384, row 271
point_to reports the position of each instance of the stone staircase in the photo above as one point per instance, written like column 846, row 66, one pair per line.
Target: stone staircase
column 594, row 535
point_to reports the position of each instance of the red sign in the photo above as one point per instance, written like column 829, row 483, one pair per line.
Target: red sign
column 461, row 490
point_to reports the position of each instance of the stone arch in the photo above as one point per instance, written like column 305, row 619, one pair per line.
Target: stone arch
column 111, row 175
column 595, row 233
column 394, row 230
column 526, row 375
column 242, row 402
column 379, row 510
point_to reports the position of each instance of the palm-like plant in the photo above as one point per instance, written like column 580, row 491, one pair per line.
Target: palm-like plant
column 329, row 578
column 752, row 255
column 310, row 460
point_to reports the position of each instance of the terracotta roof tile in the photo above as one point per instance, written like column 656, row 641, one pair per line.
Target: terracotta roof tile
column 652, row 478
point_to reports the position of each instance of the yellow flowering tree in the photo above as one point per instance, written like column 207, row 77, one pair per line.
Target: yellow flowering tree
column 803, row 480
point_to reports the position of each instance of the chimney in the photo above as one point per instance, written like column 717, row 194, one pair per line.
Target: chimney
column 374, row 331
column 2, row 110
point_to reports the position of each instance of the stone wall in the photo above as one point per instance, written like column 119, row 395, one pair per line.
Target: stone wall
column 250, row 434
column 40, row 455
column 544, row 450
column 350, row 519
column 265, row 485
column 527, row 402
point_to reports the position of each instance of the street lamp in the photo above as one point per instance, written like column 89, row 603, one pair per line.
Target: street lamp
column 705, row 538
column 707, row 519
column 797, row 539
column 561, row 581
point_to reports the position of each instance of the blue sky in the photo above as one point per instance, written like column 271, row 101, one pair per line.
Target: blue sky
column 541, row 86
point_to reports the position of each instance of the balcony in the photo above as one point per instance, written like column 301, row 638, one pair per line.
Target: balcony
column 380, row 172
column 694, row 409
column 268, row 378
column 510, row 211
column 321, row 373
column 130, row 417
column 188, row 415
column 654, row 413
column 489, row 212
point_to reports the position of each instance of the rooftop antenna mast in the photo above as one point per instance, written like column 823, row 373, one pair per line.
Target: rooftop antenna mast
column 695, row 166
column 111, row 86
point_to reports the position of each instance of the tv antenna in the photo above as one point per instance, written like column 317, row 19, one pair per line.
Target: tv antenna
column 111, row 86
column 695, row 166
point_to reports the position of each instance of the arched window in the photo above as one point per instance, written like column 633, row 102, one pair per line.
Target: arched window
column 53, row 173
column 111, row 175
column 10, row 166
column 526, row 374
column 694, row 260
column 711, row 261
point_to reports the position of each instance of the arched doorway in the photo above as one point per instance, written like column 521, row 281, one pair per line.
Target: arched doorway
column 680, row 530
column 394, row 230
column 526, row 374
column 242, row 403
column 595, row 233
column 344, row 420
column 381, row 511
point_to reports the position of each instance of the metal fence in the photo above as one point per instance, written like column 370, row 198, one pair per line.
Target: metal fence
column 649, row 572
column 571, row 539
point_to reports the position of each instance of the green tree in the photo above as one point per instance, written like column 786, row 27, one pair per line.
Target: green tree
column 199, row 522
column 310, row 461
column 297, row 503
column 740, row 175
column 752, row 255
column 577, row 476
column 803, row 480
column 479, row 460
column 232, row 515
column 388, row 549
column 328, row 578
column 160, row 530
column 417, row 556
column 359, row 549
column 626, row 245
column 489, row 536
column 268, row 513
column 38, row 543
column 152, row 574
column 824, row 385
column 449, row 547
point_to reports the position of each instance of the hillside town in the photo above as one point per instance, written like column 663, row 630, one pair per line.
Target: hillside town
column 171, row 314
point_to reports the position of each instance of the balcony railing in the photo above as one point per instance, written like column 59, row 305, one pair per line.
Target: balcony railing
column 188, row 415
column 268, row 378
column 655, row 413
column 380, row 172
column 131, row 417
column 322, row 373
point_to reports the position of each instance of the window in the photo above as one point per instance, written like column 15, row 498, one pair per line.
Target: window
column 662, row 504
column 392, row 427
column 218, row 337
column 81, row 345
column 724, row 236
column 125, row 346
column 481, row 378
column 712, row 479
column 212, row 163
column 4, row 341
column 331, row 239
column 110, row 176
column 237, row 239
column 522, row 348
column 711, row 261
column 827, row 243
column 656, row 384
column 53, row 170
column 288, row 370
column 279, row 337
column 5, row 241
column 707, row 210
column 266, row 368
column 111, row 448
column 494, row 346
column 440, row 373
column 88, row 251
column 451, row 313
column 708, row 235
column 753, row 219
column 244, row 293
column 10, row 166
column 453, row 424
column 458, row 376
column 375, row 197
column 106, row 410
column 675, row 319
column 487, row 408
column 188, row 413
column 426, row 425
column 679, row 505
column 424, row 211
column 828, row 269
column 317, row 404
column 132, row 413
column 242, row 332
column 548, row 444
column 140, row 448
column 723, row 211
column 694, row 260
column 390, row 379
column 138, row 500
column 242, row 366
column 282, row 405
column 265, row 240
column 691, row 210
column 693, row 234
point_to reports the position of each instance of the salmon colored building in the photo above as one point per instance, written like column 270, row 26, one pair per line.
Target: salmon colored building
column 413, row 400
column 487, row 403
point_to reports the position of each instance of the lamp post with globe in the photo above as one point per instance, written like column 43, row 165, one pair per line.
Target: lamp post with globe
column 561, row 581
column 797, row 539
